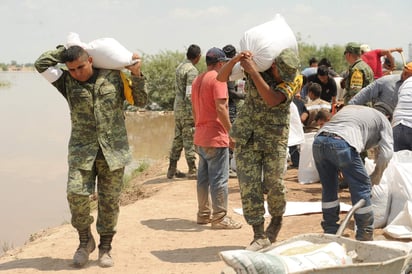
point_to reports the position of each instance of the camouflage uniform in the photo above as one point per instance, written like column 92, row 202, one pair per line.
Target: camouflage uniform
column 98, row 145
column 186, row 72
column 261, row 135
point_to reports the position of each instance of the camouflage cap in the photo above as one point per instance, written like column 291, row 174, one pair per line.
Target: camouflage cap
column 288, row 64
column 353, row 47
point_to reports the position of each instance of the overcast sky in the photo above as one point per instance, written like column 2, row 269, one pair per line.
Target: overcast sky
column 30, row 27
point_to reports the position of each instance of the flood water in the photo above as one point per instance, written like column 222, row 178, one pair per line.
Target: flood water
column 35, row 128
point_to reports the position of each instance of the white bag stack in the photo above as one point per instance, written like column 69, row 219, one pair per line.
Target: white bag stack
column 307, row 172
column 107, row 53
column 266, row 41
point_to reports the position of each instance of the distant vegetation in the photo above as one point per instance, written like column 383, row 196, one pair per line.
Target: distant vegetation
column 14, row 66
column 159, row 69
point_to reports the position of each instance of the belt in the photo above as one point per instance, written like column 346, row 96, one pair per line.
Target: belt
column 329, row 134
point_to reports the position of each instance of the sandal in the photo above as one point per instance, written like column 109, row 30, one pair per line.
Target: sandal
column 226, row 223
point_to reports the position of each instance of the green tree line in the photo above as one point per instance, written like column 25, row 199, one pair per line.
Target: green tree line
column 159, row 69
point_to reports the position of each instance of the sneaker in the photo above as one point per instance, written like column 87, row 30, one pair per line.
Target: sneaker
column 204, row 220
column 226, row 223
column 81, row 256
column 105, row 260
column 259, row 244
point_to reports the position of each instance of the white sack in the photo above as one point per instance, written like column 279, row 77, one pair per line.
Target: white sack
column 267, row 40
column 401, row 226
column 307, row 172
column 107, row 53
column 296, row 134
column 401, row 182
column 381, row 197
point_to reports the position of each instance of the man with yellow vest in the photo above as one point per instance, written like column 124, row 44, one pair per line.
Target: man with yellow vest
column 359, row 73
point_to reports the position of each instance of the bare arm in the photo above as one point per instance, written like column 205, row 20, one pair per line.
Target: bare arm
column 388, row 54
column 223, row 113
column 226, row 70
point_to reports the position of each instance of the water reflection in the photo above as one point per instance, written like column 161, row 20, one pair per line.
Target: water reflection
column 150, row 134
column 33, row 153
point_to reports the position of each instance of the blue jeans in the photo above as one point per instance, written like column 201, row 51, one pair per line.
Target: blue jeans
column 212, row 177
column 402, row 138
column 332, row 154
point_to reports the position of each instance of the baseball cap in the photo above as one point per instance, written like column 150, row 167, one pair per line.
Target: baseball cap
column 215, row 55
column 408, row 67
column 288, row 64
column 365, row 48
column 352, row 47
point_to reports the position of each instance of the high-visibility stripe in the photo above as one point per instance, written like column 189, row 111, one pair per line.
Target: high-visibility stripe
column 52, row 74
column 364, row 210
column 332, row 204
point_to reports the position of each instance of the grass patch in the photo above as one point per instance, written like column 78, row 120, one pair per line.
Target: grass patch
column 143, row 166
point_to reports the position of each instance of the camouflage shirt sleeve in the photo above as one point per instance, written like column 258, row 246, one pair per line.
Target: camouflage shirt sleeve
column 139, row 90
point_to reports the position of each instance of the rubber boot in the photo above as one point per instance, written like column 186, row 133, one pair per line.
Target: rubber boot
column 87, row 245
column 192, row 174
column 273, row 228
column 105, row 259
column 171, row 171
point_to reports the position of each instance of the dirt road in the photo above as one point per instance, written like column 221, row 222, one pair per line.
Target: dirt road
column 159, row 234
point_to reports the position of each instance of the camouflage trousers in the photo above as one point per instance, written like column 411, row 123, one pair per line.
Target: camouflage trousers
column 184, row 129
column 261, row 172
column 81, row 185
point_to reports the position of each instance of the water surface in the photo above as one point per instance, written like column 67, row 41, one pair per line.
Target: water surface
column 35, row 128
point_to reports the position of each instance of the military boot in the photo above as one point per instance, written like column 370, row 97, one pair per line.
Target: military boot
column 192, row 174
column 105, row 259
column 171, row 171
column 260, row 241
column 273, row 228
column 87, row 245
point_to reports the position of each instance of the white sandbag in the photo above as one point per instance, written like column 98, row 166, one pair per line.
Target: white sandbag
column 401, row 226
column 237, row 72
column 315, row 256
column 303, row 257
column 296, row 134
column 401, row 183
column 107, row 53
column 307, row 172
column 381, row 196
column 267, row 40
column 340, row 92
